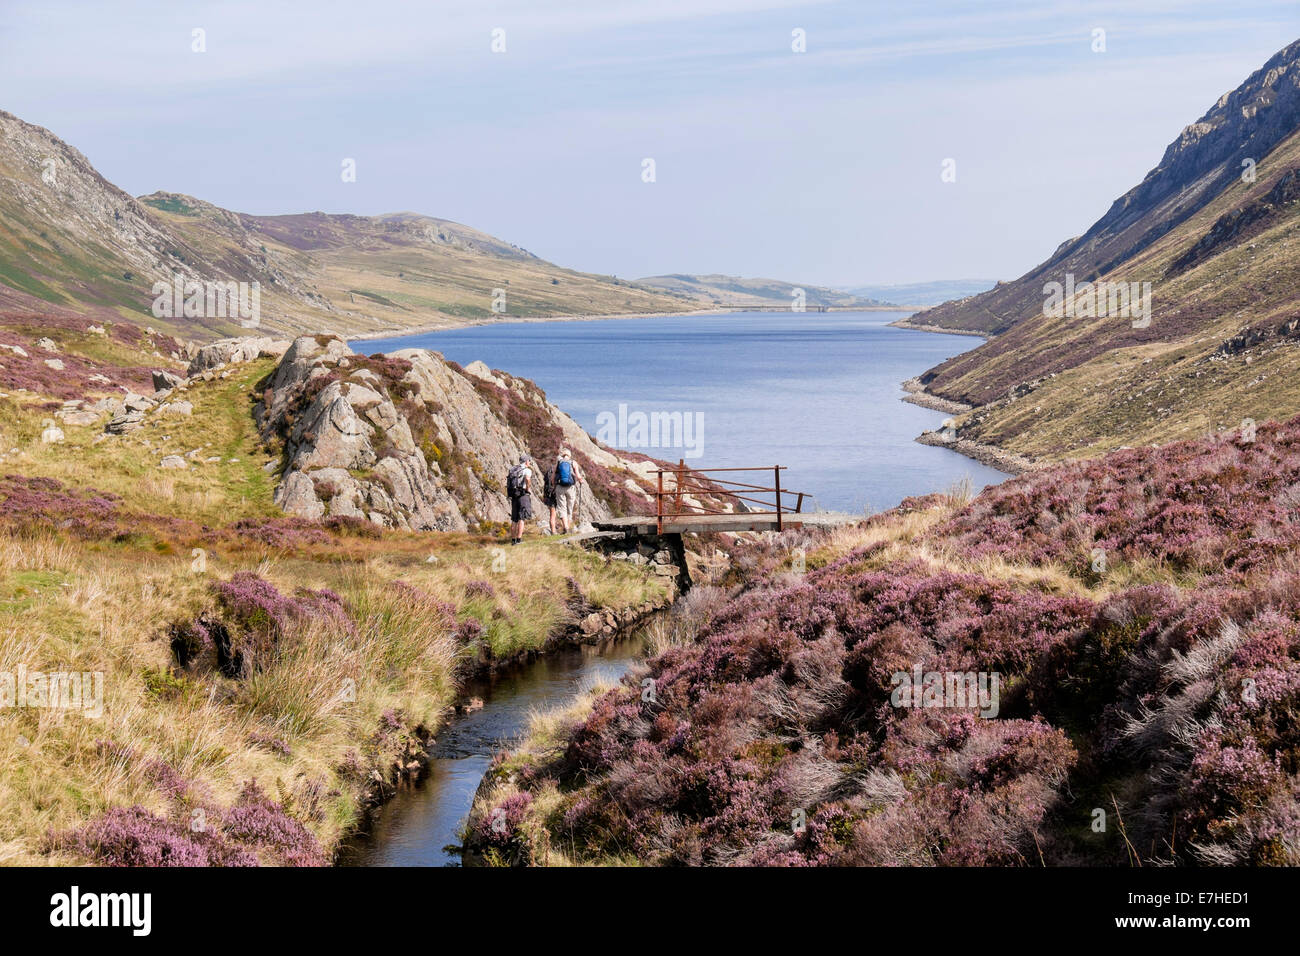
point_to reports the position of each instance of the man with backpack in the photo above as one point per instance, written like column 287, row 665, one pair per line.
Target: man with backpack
column 518, row 487
column 567, row 478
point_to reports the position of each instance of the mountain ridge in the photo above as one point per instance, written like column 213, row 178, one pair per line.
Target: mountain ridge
column 71, row 238
column 1214, row 238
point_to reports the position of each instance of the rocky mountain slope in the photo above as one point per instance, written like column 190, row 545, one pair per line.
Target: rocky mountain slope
column 1215, row 230
column 735, row 292
column 69, row 238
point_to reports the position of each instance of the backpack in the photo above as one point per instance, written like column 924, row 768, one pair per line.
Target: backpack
column 515, row 482
column 564, row 472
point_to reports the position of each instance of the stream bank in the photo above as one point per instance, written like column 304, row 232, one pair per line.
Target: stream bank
column 418, row 822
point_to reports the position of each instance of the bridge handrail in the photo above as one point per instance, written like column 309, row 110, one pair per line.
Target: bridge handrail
column 698, row 480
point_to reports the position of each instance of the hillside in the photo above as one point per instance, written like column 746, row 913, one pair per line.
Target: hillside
column 1219, row 249
column 71, row 239
column 719, row 291
column 1097, row 664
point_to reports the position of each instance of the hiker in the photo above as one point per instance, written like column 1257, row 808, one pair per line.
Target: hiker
column 548, row 498
column 518, row 488
column 567, row 478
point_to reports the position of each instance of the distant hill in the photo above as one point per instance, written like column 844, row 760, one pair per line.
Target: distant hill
column 1214, row 229
column 71, row 239
column 735, row 291
column 924, row 293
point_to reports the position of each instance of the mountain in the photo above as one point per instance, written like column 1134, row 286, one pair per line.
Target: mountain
column 71, row 239
column 1214, row 229
column 736, row 292
column 923, row 293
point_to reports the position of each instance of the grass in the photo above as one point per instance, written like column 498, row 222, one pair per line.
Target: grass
column 220, row 427
column 330, row 709
column 64, row 607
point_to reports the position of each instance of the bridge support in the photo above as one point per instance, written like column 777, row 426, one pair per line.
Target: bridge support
column 664, row 554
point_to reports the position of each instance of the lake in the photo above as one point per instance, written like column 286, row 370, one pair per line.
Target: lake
column 817, row 392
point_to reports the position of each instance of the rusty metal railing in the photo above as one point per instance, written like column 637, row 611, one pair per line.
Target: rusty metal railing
column 703, row 485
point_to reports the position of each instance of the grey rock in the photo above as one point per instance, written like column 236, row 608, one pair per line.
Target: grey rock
column 79, row 416
column 164, row 380
column 297, row 496
column 128, row 421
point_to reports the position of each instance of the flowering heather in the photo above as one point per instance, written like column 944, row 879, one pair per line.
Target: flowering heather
column 772, row 738
column 251, row 621
column 497, row 832
column 43, row 504
column 259, row 822
column 479, row 589
column 282, row 534
column 132, row 836
column 1205, row 505
column 73, row 380
column 276, row 745
column 254, row 831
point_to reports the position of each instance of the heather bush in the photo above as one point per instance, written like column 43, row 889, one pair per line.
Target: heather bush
column 259, row 822
column 770, row 736
column 1204, row 505
column 29, row 505
column 132, row 836
column 252, row 621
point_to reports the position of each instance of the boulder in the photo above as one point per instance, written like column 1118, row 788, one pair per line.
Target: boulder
column 163, row 380
column 173, row 461
column 230, row 352
column 127, row 421
column 79, row 416
column 176, row 408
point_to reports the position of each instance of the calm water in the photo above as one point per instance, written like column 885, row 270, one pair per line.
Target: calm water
column 816, row 392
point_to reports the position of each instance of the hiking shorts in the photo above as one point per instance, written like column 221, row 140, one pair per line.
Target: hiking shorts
column 566, row 501
column 521, row 508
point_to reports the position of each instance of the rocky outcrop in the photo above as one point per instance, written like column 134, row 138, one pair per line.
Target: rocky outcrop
column 408, row 440
column 231, row 352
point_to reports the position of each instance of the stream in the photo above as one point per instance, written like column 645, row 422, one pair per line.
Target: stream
column 419, row 825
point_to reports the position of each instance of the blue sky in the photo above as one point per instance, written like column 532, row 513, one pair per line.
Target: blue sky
column 820, row 167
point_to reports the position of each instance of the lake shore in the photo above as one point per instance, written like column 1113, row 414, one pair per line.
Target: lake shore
column 907, row 323
column 985, row 454
column 454, row 324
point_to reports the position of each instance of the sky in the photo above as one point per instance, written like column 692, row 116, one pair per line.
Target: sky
column 825, row 166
